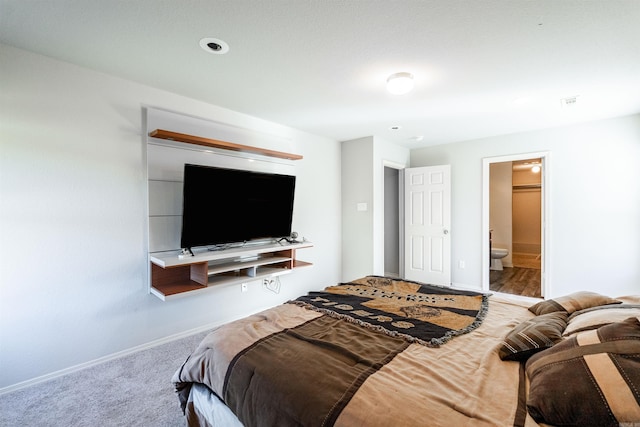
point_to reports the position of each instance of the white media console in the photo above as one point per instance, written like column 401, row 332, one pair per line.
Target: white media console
column 173, row 276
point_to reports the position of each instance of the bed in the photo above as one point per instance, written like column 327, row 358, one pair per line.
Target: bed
column 381, row 352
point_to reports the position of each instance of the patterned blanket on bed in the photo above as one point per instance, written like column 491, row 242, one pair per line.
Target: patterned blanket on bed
column 313, row 370
column 427, row 314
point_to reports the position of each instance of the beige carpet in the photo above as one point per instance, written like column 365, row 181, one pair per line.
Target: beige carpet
column 132, row 391
column 526, row 260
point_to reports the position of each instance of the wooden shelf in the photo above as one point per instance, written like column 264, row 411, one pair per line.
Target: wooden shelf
column 173, row 276
column 214, row 143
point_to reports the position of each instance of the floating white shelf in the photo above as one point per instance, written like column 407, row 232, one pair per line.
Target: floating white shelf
column 216, row 143
column 173, row 276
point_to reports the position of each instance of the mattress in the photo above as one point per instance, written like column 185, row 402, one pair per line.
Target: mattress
column 206, row 409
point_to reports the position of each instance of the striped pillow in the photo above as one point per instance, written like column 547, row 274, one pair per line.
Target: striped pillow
column 592, row 378
column 532, row 336
column 571, row 303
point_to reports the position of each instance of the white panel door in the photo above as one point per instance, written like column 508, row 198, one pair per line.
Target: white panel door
column 427, row 242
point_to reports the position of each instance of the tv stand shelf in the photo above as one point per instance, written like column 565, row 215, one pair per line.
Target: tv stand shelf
column 172, row 276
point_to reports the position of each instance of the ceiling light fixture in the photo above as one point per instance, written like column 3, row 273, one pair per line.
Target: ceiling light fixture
column 214, row 46
column 400, row 83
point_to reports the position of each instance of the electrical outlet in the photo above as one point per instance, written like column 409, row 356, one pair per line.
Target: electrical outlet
column 244, row 287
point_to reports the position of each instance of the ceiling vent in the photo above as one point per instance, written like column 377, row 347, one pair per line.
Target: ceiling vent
column 568, row 102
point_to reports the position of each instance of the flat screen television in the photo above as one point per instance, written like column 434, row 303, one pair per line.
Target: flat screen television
column 223, row 206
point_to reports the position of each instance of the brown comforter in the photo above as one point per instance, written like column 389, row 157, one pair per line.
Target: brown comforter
column 263, row 369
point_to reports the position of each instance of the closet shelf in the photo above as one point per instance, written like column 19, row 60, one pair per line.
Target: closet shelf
column 214, row 143
column 527, row 186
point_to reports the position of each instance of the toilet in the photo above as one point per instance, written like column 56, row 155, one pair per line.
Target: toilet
column 496, row 257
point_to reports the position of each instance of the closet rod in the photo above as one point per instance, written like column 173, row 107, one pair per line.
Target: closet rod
column 527, row 186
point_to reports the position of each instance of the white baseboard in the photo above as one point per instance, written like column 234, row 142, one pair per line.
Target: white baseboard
column 117, row 355
column 465, row 287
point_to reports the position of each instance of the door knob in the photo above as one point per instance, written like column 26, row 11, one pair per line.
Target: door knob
column 446, row 231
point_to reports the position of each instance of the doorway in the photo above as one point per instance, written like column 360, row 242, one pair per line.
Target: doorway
column 392, row 222
column 515, row 222
column 416, row 221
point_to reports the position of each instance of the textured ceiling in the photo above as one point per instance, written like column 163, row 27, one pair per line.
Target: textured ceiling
column 482, row 68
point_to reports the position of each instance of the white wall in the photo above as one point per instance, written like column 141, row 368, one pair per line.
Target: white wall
column 363, row 163
column 594, row 198
column 357, row 226
column 72, row 222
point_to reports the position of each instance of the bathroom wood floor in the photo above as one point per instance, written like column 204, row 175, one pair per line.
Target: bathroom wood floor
column 516, row 280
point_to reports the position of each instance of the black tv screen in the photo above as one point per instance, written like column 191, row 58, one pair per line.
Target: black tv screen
column 222, row 206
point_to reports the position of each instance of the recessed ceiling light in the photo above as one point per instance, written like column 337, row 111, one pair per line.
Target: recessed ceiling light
column 213, row 45
column 400, row 83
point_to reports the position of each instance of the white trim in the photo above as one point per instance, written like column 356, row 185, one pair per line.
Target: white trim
column 392, row 164
column 401, row 227
column 545, row 286
column 465, row 287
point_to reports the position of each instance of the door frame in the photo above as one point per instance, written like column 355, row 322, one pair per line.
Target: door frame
column 545, row 178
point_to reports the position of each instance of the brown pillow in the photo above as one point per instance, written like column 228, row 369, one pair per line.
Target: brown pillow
column 596, row 317
column 532, row 336
column 572, row 302
column 589, row 379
